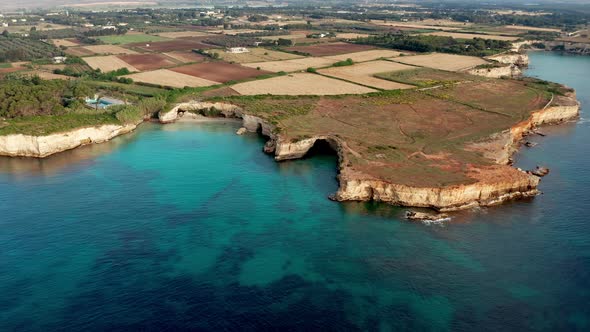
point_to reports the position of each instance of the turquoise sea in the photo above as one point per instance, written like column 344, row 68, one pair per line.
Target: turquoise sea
column 191, row 227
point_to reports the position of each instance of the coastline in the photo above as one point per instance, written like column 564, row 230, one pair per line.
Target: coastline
column 491, row 185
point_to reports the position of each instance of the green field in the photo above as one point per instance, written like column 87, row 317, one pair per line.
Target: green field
column 128, row 39
column 5, row 65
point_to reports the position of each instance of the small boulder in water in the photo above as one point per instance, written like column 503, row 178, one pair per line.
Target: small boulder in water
column 540, row 171
column 530, row 144
column 241, row 131
column 413, row 215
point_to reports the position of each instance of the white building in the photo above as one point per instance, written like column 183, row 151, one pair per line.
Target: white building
column 59, row 59
column 237, row 50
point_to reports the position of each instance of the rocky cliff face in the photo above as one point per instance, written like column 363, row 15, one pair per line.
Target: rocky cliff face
column 491, row 185
column 43, row 146
column 497, row 72
column 511, row 58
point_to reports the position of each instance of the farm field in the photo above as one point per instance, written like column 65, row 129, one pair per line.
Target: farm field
column 182, row 34
column 6, row 68
column 108, row 49
column 351, row 35
column 78, row 51
column 330, row 49
column 442, row 61
column 235, row 32
column 527, row 28
column 363, row 73
column 418, row 26
column 255, row 55
column 47, row 75
column 17, row 49
column 426, row 77
column 144, row 62
column 131, row 38
column 108, row 63
column 186, row 56
column 458, row 35
column 165, row 77
column 292, row 65
column 219, row 71
column 64, row 42
column 300, row 84
column 179, row 44
column 290, row 37
column 365, row 55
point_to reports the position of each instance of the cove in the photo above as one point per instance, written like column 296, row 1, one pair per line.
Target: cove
column 189, row 227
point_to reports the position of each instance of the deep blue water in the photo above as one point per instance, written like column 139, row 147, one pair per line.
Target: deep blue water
column 191, row 227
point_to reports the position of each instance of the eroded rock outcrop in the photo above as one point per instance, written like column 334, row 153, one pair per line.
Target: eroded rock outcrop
column 511, row 58
column 497, row 72
column 19, row 145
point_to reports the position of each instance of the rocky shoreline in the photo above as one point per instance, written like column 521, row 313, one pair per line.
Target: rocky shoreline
column 493, row 186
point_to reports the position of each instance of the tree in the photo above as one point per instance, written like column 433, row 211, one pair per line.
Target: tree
column 5, row 33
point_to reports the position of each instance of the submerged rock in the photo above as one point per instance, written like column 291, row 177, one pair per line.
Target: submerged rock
column 540, row 171
column 241, row 131
column 413, row 215
column 530, row 144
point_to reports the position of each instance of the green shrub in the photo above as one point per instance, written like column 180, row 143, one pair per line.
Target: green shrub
column 127, row 114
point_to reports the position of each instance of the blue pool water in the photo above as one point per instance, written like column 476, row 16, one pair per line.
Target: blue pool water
column 191, row 227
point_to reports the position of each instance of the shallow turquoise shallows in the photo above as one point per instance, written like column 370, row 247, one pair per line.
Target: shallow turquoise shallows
column 191, row 227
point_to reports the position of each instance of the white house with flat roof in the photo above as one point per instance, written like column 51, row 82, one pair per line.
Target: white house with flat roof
column 236, row 50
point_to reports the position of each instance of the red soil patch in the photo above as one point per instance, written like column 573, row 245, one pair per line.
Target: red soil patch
column 184, row 44
column 330, row 49
column 147, row 61
column 219, row 71
column 186, row 56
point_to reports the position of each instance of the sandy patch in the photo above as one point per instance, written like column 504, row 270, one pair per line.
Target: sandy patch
column 300, row 84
